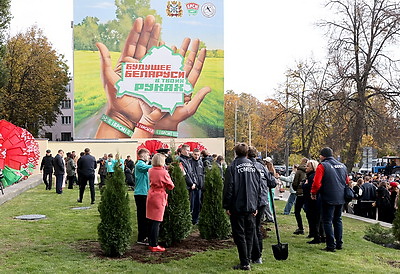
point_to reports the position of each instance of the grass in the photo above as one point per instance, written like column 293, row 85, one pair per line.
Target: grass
column 52, row 245
column 90, row 96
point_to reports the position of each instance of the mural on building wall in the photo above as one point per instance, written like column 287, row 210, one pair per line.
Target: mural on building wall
column 148, row 69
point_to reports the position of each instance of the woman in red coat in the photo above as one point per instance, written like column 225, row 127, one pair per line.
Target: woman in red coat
column 157, row 199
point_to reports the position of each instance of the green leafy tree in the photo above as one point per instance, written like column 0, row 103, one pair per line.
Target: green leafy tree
column 86, row 34
column 5, row 18
column 177, row 222
column 37, row 77
column 115, row 228
column 213, row 222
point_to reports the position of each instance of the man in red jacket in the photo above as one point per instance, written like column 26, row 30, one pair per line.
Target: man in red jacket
column 329, row 181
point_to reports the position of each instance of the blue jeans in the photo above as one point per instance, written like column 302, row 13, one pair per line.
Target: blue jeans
column 289, row 204
column 332, row 216
column 195, row 204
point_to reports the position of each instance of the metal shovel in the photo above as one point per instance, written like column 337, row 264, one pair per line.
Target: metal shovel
column 280, row 250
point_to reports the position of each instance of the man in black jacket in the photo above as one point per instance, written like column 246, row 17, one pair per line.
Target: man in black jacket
column 267, row 181
column 191, row 181
column 196, row 192
column 368, row 197
column 47, row 168
column 87, row 166
column 59, row 170
column 186, row 161
column 241, row 198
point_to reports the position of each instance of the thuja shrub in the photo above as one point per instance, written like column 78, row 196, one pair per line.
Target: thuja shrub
column 396, row 223
column 213, row 222
column 115, row 228
column 177, row 222
column 378, row 234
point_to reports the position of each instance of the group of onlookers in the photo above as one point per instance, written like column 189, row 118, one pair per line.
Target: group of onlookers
column 376, row 196
column 318, row 188
column 70, row 170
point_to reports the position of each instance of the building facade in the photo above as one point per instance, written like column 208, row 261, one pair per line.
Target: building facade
column 63, row 128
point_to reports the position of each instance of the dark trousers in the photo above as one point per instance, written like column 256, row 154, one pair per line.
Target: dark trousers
column 367, row 210
column 297, row 211
column 59, row 182
column 243, row 230
column 142, row 221
column 48, row 183
column 102, row 180
column 314, row 214
column 154, row 231
column 258, row 239
column 83, row 180
column 71, row 180
column 332, row 216
column 195, row 204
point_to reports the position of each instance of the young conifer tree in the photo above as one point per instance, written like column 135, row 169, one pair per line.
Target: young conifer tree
column 396, row 223
column 177, row 222
column 115, row 228
column 213, row 221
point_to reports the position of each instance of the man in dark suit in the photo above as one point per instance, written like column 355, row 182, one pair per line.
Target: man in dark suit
column 46, row 167
column 87, row 165
column 59, row 170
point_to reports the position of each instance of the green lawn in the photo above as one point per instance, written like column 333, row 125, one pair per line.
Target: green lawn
column 52, row 245
column 90, row 96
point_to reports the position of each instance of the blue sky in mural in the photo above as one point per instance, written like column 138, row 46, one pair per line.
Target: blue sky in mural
column 210, row 30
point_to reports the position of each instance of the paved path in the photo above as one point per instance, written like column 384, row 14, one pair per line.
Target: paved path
column 284, row 196
column 16, row 189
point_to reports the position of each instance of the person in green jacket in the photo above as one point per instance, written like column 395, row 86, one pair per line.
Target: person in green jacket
column 140, row 194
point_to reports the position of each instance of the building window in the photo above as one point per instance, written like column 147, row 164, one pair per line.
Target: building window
column 68, row 88
column 66, row 104
column 66, row 136
column 65, row 120
column 48, row 135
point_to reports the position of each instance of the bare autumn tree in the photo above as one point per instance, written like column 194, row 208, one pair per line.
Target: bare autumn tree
column 362, row 42
column 37, row 79
column 303, row 95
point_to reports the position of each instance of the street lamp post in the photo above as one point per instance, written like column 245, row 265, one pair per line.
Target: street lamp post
column 249, row 121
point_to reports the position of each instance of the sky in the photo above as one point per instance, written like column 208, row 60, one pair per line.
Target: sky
column 262, row 39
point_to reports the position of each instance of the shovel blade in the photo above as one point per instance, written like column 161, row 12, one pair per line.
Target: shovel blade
column 281, row 251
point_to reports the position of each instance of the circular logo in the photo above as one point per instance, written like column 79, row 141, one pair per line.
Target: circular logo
column 208, row 10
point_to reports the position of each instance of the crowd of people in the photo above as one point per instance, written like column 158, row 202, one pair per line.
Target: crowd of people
column 316, row 187
column 376, row 196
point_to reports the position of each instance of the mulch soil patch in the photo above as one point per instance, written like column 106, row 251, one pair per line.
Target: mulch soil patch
column 140, row 253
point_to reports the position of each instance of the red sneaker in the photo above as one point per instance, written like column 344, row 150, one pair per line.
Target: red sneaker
column 156, row 248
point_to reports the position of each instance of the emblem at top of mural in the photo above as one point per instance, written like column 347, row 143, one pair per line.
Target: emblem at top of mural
column 159, row 79
column 192, row 8
column 174, row 9
column 208, row 10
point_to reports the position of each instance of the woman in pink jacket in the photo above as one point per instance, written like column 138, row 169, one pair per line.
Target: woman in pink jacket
column 157, row 199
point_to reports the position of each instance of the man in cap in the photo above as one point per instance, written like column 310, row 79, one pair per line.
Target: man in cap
column 329, row 181
column 166, row 152
column 46, row 167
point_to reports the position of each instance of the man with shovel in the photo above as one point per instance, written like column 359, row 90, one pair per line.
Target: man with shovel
column 241, row 199
column 330, row 179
